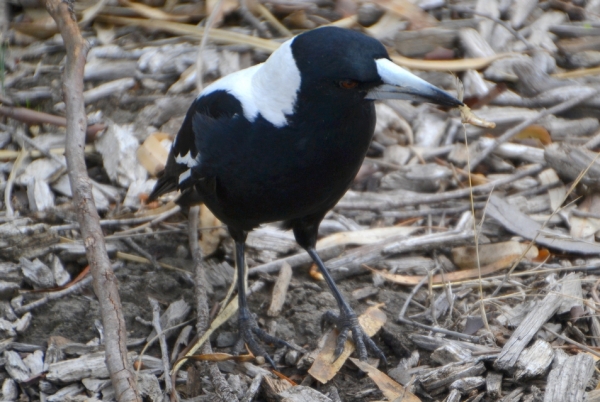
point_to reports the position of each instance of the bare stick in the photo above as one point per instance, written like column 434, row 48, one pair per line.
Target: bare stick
column 221, row 386
column 105, row 282
column 507, row 136
column 34, row 117
column 164, row 349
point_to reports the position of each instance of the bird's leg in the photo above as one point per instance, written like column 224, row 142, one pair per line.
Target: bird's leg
column 346, row 321
column 248, row 328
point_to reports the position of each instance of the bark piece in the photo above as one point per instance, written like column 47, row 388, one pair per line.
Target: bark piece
column 37, row 273
column 15, row 367
column 493, row 384
column 118, row 147
column 92, row 365
column 21, row 239
column 569, row 161
column 524, row 333
column 280, row 290
column 573, row 294
column 465, row 385
column 66, row 393
column 517, row 222
column 451, row 353
column 444, row 376
column 567, row 382
column 535, row 360
column 301, row 393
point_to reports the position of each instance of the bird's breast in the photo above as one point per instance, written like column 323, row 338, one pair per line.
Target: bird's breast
column 271, row 174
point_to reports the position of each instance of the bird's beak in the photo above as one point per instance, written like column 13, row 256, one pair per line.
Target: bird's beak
column 398, row 83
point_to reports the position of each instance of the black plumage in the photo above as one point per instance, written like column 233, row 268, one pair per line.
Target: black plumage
column 283, row 141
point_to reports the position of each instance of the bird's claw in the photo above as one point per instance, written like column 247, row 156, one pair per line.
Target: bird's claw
column 348, row 323
column 249, row 333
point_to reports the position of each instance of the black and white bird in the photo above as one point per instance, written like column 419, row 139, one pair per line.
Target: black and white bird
column 282, row 141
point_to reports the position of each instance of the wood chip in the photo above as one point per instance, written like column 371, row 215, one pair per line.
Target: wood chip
column 280, row 290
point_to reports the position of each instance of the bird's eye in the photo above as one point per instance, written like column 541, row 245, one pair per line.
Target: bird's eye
column 348, row 84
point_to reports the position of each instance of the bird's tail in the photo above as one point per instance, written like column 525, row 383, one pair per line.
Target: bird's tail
column 164, row 185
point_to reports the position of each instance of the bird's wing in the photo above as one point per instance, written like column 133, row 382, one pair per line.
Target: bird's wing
column 184, row 164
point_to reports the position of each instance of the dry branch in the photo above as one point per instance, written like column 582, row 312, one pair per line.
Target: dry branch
column 202, row 312
column 105, row 285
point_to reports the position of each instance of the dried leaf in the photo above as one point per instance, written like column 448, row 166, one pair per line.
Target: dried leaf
column 537, row 132
column 466, row 257
column 390, row 388
column 213, row 231
column 314, row 273
column 153, row 153
column 324, row 368
column 448, row 65
column 457, row 276
column 542, row 256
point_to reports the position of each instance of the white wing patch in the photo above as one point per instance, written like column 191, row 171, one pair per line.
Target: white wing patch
column 184, row 176
column 269, row 89
column 187, row 160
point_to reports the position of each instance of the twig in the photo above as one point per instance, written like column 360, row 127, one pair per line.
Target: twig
column 123, row 222
column 210, row 21
column 572, row 342
column 508, row 135
column 135, row 247
column 30, row 116
column 252, row 20
column 57, row 295
column 104, row 279
column 490, row 17
column 412, row 294
column 253, row 389
column 421, row 198
column 20, row 135
column 154, row 221
column 222, row 388
column 164, row 349
column 266, row 14
column 7, row 154
column 470, row 338
column 135, row 258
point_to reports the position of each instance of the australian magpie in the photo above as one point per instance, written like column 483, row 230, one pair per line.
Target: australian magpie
column 282, row 141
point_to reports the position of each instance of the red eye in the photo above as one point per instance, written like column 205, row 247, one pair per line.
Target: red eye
column 348, row 84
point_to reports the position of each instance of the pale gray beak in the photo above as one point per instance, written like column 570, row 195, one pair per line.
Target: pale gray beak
column 398, row 83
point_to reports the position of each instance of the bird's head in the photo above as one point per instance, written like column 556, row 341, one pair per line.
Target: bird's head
column 350, row 63
column 335, row 63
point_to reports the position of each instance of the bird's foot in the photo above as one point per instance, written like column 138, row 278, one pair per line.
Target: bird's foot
column 250, row 334
column 347, row 322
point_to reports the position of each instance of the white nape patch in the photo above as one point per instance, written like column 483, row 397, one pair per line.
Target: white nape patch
column 269, row 89
column 393, row 74
column 185, row 175
column 187, row 159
